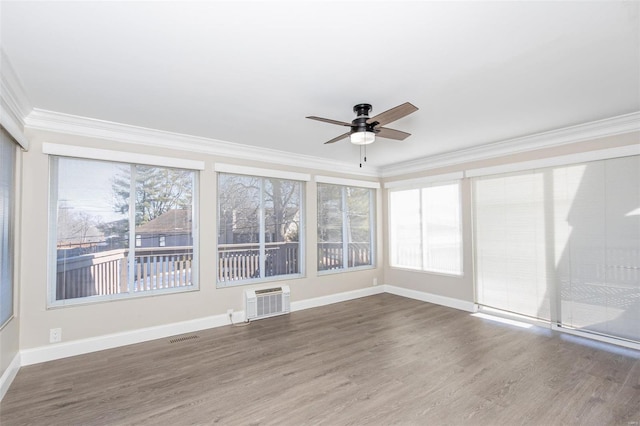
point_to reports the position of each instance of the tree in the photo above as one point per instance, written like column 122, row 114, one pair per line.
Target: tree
column 76, row 227
column 359, row 217
column 157, row 190
column 239, row 208
column 283, row 212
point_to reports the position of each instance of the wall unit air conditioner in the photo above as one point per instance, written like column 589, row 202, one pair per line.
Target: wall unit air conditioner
column 266, row 302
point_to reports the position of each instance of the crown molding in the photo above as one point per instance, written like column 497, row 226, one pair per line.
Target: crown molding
column 14, row 104
column 89, row 127
column 52, row 121
column 596, row 129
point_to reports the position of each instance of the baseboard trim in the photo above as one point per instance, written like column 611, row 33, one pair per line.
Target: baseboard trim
column 83, row 346
column 335, row 298
column 9, row 374
column 109, row 341
column 450, row 302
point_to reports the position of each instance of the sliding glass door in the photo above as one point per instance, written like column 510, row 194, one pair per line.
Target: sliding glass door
column 597, row 228
column 562, row 244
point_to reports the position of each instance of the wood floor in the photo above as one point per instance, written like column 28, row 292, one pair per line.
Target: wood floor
column 378, row 360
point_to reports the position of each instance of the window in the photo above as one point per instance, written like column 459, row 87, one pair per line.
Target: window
column 162, row 241
column 562, row 244
column 7, row 200
column 426, row 229
column 344, row 227
column 107, row 218
column 259, row 228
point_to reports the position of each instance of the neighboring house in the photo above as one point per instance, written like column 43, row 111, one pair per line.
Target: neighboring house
column 170, row 229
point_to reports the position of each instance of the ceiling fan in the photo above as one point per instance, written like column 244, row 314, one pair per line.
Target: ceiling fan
column 364, row 129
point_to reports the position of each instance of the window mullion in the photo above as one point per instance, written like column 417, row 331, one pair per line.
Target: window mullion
column 372, row 250
column 262, row 218
column 132, row 231
column 345, row 228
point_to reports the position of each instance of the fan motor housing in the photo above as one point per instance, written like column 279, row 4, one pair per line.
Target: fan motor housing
column 359, row 124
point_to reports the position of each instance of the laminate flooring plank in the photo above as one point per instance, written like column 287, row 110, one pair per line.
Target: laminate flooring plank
column 379, row 360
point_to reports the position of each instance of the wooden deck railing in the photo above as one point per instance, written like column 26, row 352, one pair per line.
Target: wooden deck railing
column 242, row 261
column 106, row 272
column 330, row 255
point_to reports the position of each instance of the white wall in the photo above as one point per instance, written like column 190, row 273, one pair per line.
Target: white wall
column 99, row 319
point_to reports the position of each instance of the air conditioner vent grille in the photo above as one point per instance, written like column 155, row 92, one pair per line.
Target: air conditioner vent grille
column 267, row 302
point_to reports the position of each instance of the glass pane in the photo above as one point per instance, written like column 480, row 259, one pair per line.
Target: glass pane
column 442, row 237
column 164, row 228
column 330, row 216
column 358, row 226
column 238, row 227
column 7, row 164
column 92, row 223
column 282, row 225
column 597, row 208
column 405, row 244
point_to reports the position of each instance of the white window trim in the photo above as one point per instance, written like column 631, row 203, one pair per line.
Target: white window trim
column 13, row 228
column 258, row 172
column 219, row 168
column 347, row 182
column 427, row 184
column 372, row 227
column 52, row 303
column 564, row 160
column 13, row 128
column 120, row 156
column 424, row 181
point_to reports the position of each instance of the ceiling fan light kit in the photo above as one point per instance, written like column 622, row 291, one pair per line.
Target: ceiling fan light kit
column 364, row 129
column 362, row 138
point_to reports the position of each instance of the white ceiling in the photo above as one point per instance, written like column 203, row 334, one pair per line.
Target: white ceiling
column 249, row 73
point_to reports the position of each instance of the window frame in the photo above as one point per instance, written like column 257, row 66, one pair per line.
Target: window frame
column 11, row 234
column 116, row 157
column 263, row 174
column 420, row 184
column 343, row 185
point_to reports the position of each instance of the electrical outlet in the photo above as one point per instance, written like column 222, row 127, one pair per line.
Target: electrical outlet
column 229, row 312
column 55, row 335
column 375, row 281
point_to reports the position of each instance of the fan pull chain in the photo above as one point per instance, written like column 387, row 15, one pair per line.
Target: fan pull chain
column 365, row 155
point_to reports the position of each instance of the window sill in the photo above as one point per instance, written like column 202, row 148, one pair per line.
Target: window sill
column 81, row 301
column 344, row 270
column 227, row 284
column 422, row 271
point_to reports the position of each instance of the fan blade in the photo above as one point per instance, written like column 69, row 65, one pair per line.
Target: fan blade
column 328, row 120
column 336, row 139
column 387, row 133
column 393, row 114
